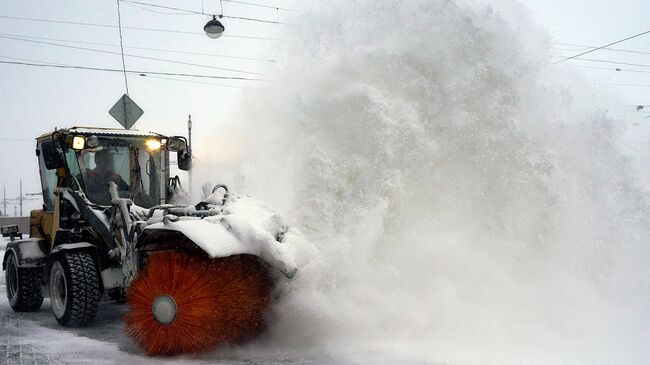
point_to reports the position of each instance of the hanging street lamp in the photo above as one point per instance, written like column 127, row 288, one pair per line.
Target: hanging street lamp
column 214, row 28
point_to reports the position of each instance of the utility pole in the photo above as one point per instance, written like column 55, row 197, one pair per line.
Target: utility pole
column 21, row 197
column 189, row 151
column 189, row 135
column 4, row 200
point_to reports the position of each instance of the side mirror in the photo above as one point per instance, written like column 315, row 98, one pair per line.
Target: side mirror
column 53, row 156
column 176, row 144
column 184, row 160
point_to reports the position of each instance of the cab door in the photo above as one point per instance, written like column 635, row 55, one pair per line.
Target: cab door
column 43, row 222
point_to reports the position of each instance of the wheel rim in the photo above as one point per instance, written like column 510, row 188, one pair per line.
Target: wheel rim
column 58, row 290
column 164, row 309
column 12, row 278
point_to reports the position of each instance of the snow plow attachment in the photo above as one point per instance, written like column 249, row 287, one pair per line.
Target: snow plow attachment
column 207, row 274
column 182, row 303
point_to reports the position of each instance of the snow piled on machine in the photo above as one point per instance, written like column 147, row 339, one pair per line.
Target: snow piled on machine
column 242, row 225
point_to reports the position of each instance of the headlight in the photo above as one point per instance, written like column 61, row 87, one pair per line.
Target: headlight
column 152, row 144
column 78, row 142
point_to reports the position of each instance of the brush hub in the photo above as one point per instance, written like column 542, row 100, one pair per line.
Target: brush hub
column 164, row 309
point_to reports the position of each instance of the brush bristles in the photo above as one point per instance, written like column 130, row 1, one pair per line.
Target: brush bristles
column 218, row 301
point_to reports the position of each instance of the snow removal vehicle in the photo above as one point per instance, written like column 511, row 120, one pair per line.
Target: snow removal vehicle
column 113, row 227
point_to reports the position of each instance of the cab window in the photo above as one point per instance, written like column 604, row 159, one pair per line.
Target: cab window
column 48, row 183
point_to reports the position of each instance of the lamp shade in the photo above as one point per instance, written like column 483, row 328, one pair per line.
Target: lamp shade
column 214, row 28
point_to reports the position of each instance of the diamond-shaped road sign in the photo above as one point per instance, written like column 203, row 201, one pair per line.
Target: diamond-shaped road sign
column 126, row 111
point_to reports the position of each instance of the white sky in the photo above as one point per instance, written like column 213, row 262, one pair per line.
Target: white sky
column 35, row 100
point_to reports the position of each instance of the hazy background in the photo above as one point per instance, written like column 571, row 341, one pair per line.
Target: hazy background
column 35, row 100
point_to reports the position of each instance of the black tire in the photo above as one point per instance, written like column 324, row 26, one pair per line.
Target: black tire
column 23, row 286
column 74, row 289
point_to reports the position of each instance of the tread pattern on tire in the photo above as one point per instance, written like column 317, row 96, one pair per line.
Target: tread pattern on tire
column 84, row 292
column 28, row 294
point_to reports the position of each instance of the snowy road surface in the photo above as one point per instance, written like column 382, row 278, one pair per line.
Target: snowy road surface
column 36, row 338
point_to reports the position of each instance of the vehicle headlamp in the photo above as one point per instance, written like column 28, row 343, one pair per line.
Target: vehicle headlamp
column 78, row 142
column 152, row 144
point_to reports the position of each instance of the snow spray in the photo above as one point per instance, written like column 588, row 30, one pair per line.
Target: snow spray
column 469, row 204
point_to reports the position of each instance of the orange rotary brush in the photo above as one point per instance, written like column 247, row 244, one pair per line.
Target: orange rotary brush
column 181, row 303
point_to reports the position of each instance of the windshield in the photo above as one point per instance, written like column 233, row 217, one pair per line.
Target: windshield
column 138, row 171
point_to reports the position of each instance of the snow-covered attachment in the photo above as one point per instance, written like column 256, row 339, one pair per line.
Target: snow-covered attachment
column 208, row 268
column 226, row 224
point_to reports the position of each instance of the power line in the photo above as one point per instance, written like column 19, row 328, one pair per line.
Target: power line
column 162, row 7
column 575, row 49
column 119, row 26
column 133, row 28
column 251, row 19
column 609, row 69
column 199, row 12
column 260, row 5
column 605, row 46
column 131, row 55
column 31, row 60
column 617, row 84
column 138, row 47
column 613, row 62
column 156, row 11
column 128, row 71
column 604, row 49
column 194, row 82
column 149, row 75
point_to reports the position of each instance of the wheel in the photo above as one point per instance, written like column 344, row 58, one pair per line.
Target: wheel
column 23, row 286
column 180, row 303
column 74, row 289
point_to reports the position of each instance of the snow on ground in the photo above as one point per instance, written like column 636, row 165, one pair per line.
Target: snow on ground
column 36, row 338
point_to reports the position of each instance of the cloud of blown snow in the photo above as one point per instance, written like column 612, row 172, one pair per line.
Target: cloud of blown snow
column 470, row 205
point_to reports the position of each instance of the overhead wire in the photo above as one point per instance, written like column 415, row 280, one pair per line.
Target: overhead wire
column 132, row 55
column 604, row 49
column 119, row 25
column 612, row 62
column 105, row 69
column 193, row 81
column 157, row 11
column 162, row 7
column 31, row 60
column 261, row 5
column 133, row 28
column 200, row 12
column 618, row 84
column 147, row 74
column 251, row 19
column 608, row 68
column 138, row 47
column 605, row 46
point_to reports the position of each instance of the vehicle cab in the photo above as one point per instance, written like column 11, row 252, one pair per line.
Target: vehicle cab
column 137, row 162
